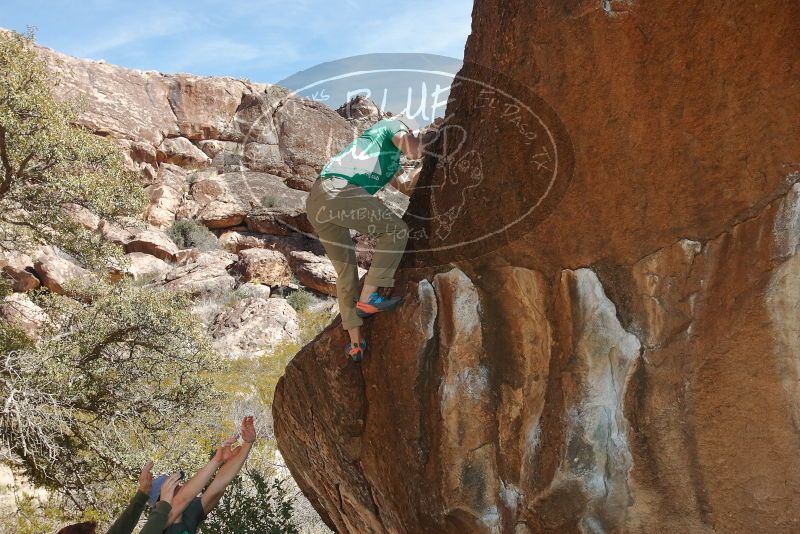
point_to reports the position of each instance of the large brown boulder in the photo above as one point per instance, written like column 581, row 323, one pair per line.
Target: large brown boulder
column 620, row 357
column 180, row 151
column 254, row 121
column 235, row 241
column 21, row 312
column 222, row 214
column 175, row 177
column 306, row 256
column 315, row 271
column 361, row 112
column 289, row 136
column 116, row 233
column 263, row 190
column 262, row 157
column 269, row 204
column 310, row 135
column 82, row 216
column 164, row 203
column 207, row 190
column 144, row 267
column 360, row 108
column 279, row 221
column 224, row 200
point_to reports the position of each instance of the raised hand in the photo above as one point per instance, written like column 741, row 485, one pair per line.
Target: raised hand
column 248, row 430
column 228, row 451
column 227, row 472
column 224, row 452
column 146, row 478
column 169, row 487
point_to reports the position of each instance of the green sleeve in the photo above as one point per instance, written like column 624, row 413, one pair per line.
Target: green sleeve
column 157, row 521
column 194, row 514
column 126, row 522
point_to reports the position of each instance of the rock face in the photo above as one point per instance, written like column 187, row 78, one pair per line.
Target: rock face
column 316, row 271
column 361, row 112
column 180, row 151
column 204, row 106
column 145, row 267
column 279, row 221
column 206, row 275
column 269, row 267
column 154, row 243
column 17, row 268
column 57, row 270
column 254, row 326
column 20, row 311
column 630, row 362
column 270, row 142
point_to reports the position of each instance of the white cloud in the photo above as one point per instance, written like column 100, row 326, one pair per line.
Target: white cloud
column 215, row 53
column 130, row 31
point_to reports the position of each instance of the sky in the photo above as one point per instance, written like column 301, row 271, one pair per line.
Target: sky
column 259, row 40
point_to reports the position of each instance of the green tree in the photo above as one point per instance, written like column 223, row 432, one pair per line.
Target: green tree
column 118, row 372
column 49, row 165
column 252, row 504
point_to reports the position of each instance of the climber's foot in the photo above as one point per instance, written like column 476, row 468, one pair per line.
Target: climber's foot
column 356, row 351
column 376, row 304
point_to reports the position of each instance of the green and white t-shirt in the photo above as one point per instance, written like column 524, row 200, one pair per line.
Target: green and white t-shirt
column 371, row 160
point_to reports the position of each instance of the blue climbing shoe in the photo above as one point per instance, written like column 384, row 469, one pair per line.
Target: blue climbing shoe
column 376, row 304
column 356, row 352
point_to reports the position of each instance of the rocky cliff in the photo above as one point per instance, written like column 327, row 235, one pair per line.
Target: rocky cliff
column 234, row 156
column 627, row 359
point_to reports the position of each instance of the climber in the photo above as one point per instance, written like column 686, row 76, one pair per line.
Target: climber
column 179, row 509
column 341, row 200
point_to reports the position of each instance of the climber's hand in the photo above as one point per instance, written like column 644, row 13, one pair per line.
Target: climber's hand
column 409, row 144
column 249, row 430
column 224, row 452
column 169, row 487
column 146, row 478
column 405, row 182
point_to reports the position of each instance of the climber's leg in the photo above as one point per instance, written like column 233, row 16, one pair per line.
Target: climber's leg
column 366, row 291
column 369, row 215
column 334, row 208
column 340, row 249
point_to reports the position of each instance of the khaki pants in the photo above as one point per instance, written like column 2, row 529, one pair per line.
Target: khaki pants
column 335, row 207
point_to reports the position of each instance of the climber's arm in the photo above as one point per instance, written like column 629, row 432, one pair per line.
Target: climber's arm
column 126, row 522
column 408, row 182
column 157, row 521
column 409, row 144
column 196, row 484
column 234, row 460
